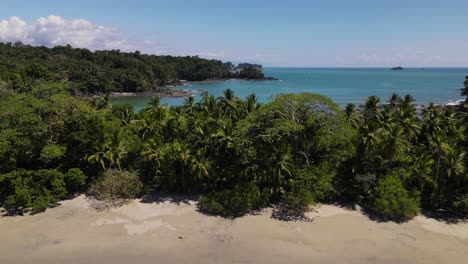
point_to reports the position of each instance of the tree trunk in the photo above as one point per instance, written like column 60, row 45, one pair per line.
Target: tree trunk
column 436, row 178
column 183, row 178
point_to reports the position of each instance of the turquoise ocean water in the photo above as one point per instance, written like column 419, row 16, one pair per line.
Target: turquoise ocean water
column 350, row 85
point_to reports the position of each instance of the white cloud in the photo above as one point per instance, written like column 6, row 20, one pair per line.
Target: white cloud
column 208, row 54
column 56, row 30
column 81, row 33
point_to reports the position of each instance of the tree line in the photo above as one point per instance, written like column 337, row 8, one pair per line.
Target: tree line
column 240, row 155
column 23, row 67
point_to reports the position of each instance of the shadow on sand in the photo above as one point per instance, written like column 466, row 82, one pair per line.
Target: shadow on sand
column 179, row 199
column 284, row 213
column 445, row 216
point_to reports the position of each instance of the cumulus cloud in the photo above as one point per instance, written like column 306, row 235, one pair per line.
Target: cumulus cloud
column 56, row 30
column 81, row 33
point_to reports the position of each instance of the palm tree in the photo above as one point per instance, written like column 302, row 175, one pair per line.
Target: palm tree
column 177, row 123
column 393, row 101
column 370, row 141
column 432, row 118
column 98, row 157
column 455, row 163
column 349, row 110
column 112, row 152
column 146, row 128
column 394, row 141
column 371, row 112
column 208, row 103
column 183, row 157
column 104, row 102
column 221, row 140
column 155, row 102
column 200, row 165
column 441, row 148
column 153, row 151
column 422, row 166
column 228, row 104
column 251, row 103
column 281, row 167
column 154, row 105
column 116, row 149
column 189, row 104
column 352, row 115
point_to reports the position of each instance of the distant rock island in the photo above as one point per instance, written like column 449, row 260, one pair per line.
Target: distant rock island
column 247, row 71
column 399, row 68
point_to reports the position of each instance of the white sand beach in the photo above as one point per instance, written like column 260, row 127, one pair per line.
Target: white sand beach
column 174, row 232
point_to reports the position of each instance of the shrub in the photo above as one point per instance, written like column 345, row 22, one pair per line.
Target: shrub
column 51, row 182
column 461, row 204
column 299, row 200
column 391, row 200
column 52, row 152
column 19, row 199
column 317, row 180
column 41, row 203
column 311, row 185
column 74, row 179
column 114, row 184
column 23, row 189
column 239, row 200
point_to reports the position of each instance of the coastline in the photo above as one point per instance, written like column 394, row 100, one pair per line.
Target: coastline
column 168, row 91
column 163, row 227
column 231, row 79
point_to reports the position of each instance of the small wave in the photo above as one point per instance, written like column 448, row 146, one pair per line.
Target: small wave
column 456, row 102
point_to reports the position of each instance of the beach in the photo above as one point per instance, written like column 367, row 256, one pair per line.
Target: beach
column 173, row 231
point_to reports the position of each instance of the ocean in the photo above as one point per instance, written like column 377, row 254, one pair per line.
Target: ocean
column 342, row 85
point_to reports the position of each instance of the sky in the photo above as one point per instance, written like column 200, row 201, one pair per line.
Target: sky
column 293, row 33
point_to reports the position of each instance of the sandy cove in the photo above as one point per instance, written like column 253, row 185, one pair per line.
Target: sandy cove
column 174, row 232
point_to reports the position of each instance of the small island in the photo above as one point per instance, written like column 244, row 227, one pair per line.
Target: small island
column 247, row 71
column 399, row 68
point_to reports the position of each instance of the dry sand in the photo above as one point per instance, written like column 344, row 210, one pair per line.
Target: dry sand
column 174, row 232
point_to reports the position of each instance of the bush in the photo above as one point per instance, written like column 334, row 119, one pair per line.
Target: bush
column 391, row 200
column 318, row 180
column 23, row 189
column 41, row 203
column 114, row 184
column 311, row 185
column 239, row 200
column 299, row 200
column 52, row 152
column 74, row 179
column 461, row 204
column 19, row 199
column 51, row 182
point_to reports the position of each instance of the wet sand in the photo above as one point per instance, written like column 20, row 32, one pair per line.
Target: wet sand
column 174, row 232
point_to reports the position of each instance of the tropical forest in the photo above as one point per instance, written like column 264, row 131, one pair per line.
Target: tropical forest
column 387, row 155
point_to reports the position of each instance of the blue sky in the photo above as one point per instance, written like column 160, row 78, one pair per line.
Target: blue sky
column 275, row 33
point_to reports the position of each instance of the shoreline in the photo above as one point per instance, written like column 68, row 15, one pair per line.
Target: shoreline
column 163, row 94
column 172, row 230
column 231, row 79
column 168, row 91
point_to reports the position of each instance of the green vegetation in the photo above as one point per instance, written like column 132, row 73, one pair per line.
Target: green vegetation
column 242, row 199
column 251, row 73
column 465, row 88
column 391, row 200
column 299, row 149
column 114, row 184
column 23, row 67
